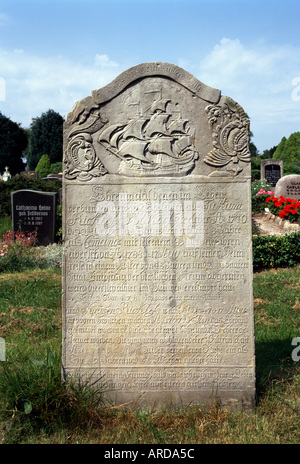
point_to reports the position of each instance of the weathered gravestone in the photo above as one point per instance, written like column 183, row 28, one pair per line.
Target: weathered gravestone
column 35, row 211
column 288, row 187
column 271, row 170
column 157, row 241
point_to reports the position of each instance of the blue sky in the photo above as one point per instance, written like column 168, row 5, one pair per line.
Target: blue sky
column 53, row 53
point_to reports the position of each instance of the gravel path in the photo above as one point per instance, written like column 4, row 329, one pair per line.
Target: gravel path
column 269, row 224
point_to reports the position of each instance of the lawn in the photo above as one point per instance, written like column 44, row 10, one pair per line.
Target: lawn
column 36, row 407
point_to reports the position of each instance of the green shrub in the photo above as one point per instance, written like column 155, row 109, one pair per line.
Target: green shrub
column 49, row 256
column 17, row 253
column 43, row 167
column 259, row 203
column 56, row 168
column 258, row 185
column 290, row 169
column 255, row 174
column 276, row 251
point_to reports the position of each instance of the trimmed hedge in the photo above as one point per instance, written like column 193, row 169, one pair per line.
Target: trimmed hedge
column 276, row 251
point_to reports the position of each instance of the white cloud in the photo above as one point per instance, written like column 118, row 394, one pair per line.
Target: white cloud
column 105, row 62
column 259, row 77
column 36, row 83
column 241, row 68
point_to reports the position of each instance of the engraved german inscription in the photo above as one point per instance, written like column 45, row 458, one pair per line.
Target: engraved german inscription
column 157, row 274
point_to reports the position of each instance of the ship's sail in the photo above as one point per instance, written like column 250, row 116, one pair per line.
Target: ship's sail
column 107, row 134
column 134, row 129
column 159, row 105
column 134, row 149
column 157, row 125
column 178, row 126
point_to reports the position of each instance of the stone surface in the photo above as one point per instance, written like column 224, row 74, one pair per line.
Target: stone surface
column 288, row 187
column 271, row 170
column 157, row 273
column 33, row 210
column 269, row 224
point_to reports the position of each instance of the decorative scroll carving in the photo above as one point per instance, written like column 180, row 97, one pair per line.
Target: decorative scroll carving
column 80, row 157
column 82, row 161
column 230, row 137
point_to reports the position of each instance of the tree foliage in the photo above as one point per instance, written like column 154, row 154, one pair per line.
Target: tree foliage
column 46, row 137
column 268, row 154
column 13, row 143
column 253, row 150
column 288, row 150
column 43, row 167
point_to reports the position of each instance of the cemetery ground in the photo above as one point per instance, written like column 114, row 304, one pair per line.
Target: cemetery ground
column 37, row 408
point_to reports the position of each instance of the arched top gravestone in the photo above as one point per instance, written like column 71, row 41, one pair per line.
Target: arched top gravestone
column 157, row 275
column 153, row 120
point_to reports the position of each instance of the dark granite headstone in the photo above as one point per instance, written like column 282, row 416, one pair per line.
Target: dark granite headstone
column 32, row 210
column 271, row 171
column 272, row 174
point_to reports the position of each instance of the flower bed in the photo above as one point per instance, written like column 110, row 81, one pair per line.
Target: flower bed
column 16, row 249
column 18, row 252
column 285, row 208
column 259, row 200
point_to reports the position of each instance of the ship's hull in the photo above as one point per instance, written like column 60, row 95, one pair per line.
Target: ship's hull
column 133, row 168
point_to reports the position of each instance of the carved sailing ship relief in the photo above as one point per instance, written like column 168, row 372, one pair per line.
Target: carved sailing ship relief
column 149, row 135
column 156, row 142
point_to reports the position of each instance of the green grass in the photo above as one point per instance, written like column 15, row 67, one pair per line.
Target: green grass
column 5, row 224
column 36, row 407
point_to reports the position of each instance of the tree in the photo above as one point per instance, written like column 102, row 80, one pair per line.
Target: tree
column 288, row 150
column 268, row 154
column 46, row 136
column 13, row 143
column 43, row 167
column 253, row 150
